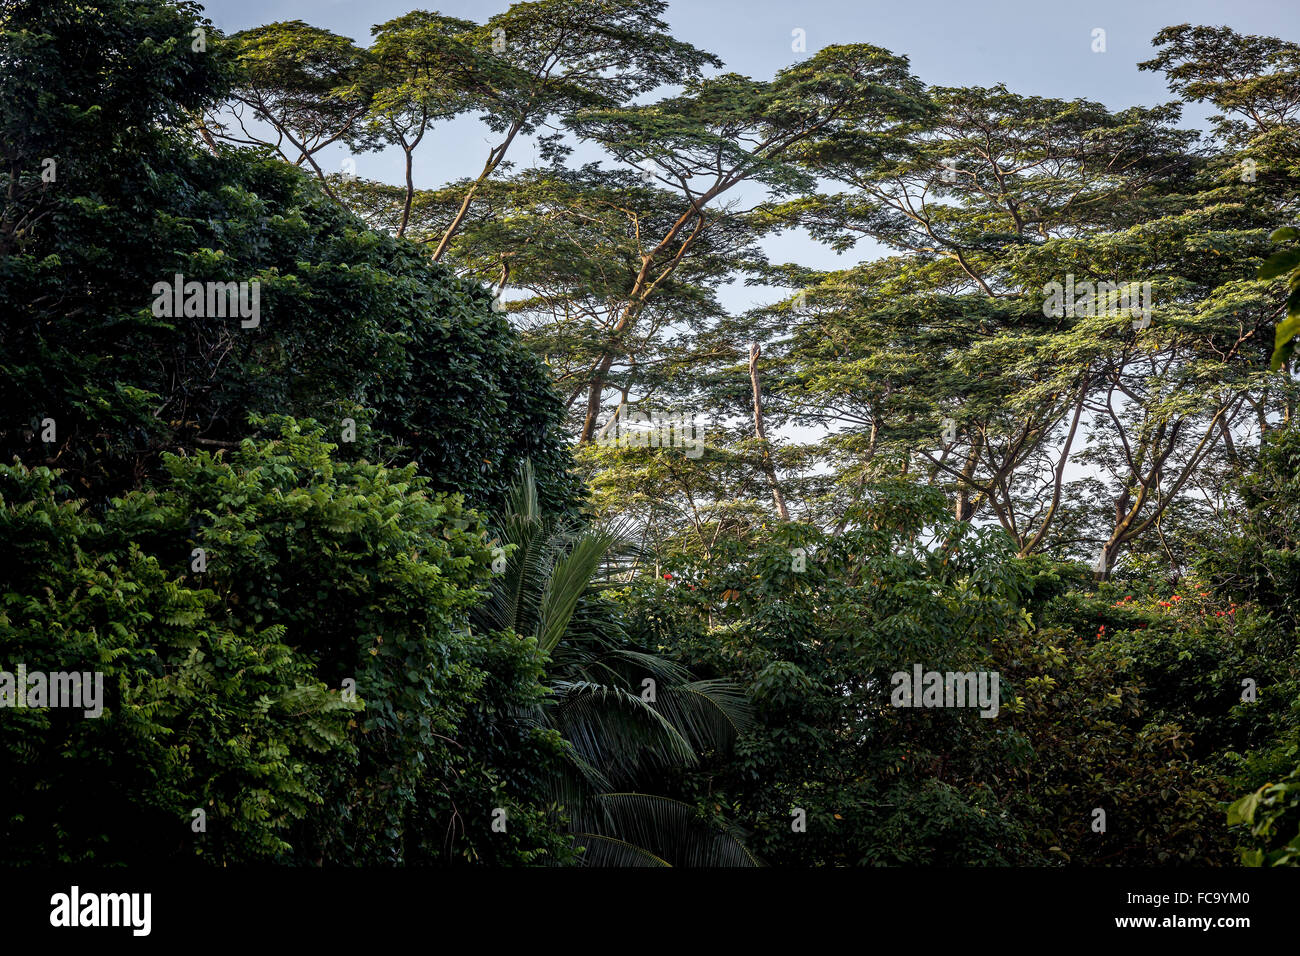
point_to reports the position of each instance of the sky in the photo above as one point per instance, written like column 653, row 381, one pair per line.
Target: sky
column 1034, row 46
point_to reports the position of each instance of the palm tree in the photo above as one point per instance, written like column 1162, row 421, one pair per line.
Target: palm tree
column 626, row 715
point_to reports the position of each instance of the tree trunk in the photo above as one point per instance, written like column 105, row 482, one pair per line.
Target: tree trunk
column 761, row 434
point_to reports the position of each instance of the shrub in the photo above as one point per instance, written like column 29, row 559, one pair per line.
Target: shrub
column 226, row 687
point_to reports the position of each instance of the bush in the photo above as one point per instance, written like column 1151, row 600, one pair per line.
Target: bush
column 351, row 323
column 227, row 687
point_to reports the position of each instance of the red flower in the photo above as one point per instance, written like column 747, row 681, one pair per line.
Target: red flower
column 667, row 576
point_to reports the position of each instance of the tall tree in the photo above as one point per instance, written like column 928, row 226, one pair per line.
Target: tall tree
column 303, row 83
column 970, row 365
column 731, row 130
column 520, row 70
column 426, row 69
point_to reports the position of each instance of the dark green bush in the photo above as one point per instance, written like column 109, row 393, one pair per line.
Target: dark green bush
column 351, row 323
column 227, row 688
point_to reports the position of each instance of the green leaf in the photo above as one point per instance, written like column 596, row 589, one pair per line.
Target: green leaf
column 1283, row 341
column 1279, row 263
column 1243, row 811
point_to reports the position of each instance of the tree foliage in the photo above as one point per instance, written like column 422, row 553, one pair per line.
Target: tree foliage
column 1037, row 428
column 310, row 685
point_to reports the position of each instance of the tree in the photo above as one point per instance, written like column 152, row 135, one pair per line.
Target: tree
column 1252, row 79
column 569, row 245
column 954, row 354
column 521, row 68
column 836, row 772
column 305, row 83
column 628, row 716
column 1271, row 813
column 1255, row 81
column 813, row 627
column 426, row 70
column 1285, row 263
column 728, row 130
column 102, row 373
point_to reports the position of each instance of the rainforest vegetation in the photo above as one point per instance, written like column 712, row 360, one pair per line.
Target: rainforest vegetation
column 482, row 531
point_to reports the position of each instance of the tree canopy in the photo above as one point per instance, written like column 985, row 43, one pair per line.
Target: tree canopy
column 472, row 522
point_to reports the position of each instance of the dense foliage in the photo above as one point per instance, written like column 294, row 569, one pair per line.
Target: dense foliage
column 312, row 686
column 356, row 600
column 352, row 324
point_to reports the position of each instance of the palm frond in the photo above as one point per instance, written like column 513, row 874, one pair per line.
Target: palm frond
column 617, row 731
column 710, row 714
column 569, row 579
column 668, row 829
column 601, row 850
column 550, row 588
column 522, row 498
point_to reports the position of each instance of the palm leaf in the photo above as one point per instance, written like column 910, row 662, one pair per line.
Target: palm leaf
column 667, row 829
column 569, row 579
column 601, row 850
column 710, row 714
column 617, row 731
